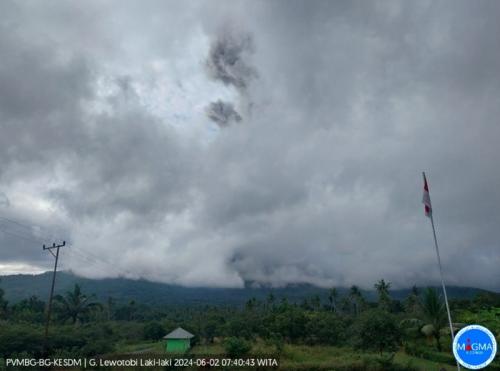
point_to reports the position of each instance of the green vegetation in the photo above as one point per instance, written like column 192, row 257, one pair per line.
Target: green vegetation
column 74, row 306
column 433, row 316
column 153, row 331
column 236, row 347
column 377, row 330
column 21, row 286
column 336, row 330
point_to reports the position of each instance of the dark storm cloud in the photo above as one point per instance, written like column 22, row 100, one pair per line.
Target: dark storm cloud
column 364, row 98
column 127, row 161
column 69, row 156
column 323, row 182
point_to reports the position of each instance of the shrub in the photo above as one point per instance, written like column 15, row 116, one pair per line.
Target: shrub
column 95, row 348
column 377, row 330
column 236, row 347
column 325, row 328
column 291, row 324
column 153, row 331
column 276, row 341
column 20, row 338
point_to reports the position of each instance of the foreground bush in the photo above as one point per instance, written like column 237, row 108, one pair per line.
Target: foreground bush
column 378, row 331
column 236, row 347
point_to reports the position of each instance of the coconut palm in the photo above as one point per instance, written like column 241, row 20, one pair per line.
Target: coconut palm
column 356, row 298
column 332, row 298
column 74, row 305
column 432, row 316
column 411, row 302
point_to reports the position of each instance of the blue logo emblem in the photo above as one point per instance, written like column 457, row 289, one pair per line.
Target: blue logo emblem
column 474, row 347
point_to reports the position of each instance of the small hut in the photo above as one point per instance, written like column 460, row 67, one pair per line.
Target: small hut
column 178, row 341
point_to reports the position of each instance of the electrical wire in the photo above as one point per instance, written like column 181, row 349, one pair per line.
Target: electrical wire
column 72, row 250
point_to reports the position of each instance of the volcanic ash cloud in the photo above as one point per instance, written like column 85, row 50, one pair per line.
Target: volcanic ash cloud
column 227, row 62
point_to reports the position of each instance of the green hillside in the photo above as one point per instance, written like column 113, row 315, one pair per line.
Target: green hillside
column 18, row 287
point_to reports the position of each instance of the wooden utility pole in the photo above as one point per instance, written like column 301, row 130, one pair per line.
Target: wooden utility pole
column 49, row 307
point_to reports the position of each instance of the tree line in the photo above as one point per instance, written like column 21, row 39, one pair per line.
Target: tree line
column 83, row 326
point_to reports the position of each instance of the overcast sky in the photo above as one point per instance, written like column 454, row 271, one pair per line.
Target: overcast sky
column 210, row 143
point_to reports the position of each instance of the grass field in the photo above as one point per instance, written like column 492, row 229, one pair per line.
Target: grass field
column 147, row 346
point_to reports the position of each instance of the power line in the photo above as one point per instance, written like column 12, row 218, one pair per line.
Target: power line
column 99, row 259
column 24, row 231
column 89, row 260
column 16, row 222
column 29, row 238
column 92, row 259
column 21, row 229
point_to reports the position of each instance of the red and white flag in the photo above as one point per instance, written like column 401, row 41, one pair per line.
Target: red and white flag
column 426, row 199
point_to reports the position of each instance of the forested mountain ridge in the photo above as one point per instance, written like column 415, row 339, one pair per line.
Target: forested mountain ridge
column 21, row 286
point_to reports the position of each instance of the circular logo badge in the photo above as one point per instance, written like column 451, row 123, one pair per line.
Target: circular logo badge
column 474, row 347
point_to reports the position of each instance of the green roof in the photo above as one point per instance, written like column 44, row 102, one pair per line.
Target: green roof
column 179, row 333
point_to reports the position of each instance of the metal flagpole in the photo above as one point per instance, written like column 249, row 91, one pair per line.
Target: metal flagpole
column 442, row 280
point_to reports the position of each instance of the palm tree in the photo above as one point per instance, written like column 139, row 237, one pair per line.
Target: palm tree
column 432, row 316
column 411, row 302
column 356, row 298
column 384, row 299
column 74, row 305
column 332, row 298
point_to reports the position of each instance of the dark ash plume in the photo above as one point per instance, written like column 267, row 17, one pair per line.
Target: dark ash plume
column 227, row 62
column 222, row 113
column 226, row 59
